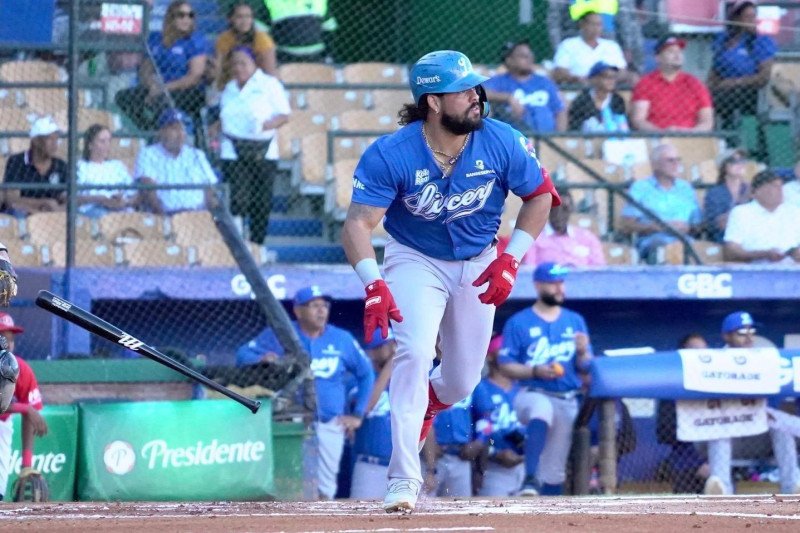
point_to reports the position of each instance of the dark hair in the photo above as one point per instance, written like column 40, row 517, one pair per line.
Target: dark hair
column 169, row 34
column 88, row 138
column 414, row 112
column 249, row 36
column 764, row 177
column 585, row 15
column 684, row 342
column 509, row 47
column 725, row 162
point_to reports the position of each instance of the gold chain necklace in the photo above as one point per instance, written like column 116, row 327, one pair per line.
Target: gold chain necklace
column 451, row 159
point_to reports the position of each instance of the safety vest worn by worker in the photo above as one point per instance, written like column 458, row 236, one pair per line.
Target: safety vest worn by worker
column 297, row 25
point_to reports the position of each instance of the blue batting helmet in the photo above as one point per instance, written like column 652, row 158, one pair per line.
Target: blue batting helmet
column 445, row 71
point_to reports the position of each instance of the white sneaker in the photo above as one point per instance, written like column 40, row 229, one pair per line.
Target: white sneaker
column 714, row 486
column 401, row 495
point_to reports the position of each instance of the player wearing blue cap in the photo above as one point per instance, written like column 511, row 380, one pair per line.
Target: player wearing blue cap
column 738, row 330
column 545, row 347
column 441, row 183
column 334, row 352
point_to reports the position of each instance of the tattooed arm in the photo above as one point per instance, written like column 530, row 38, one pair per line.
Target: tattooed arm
column 357, row 231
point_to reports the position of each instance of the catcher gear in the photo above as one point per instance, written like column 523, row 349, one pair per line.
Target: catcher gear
column 446, row 71
column 9, row 372
column 379, row 307
column 8, row 283
column 501, row 275
column 30, row 486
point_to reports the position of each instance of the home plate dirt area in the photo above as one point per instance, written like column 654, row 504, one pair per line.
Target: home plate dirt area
column 603, row 514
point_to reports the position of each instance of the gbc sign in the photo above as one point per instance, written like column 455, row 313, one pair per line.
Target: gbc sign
column 706, row 285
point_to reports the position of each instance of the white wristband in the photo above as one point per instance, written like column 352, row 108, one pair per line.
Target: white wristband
column 367, row 270
column 519, row 244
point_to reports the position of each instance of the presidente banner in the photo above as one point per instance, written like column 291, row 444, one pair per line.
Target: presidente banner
column 189, row 450
column 54, row 455
column 692, row 375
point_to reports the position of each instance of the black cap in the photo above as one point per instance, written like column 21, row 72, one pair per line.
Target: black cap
column 509, row 47
column 764, row 177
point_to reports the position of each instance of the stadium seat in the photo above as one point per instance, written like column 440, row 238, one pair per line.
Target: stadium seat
column 585, row 221
column 88, row 116
column 350, row 147
column 32, row 71
column 554, row 161
column 310, row 174
column 192, row 227
column 709, row 252
column 9, row 228
column 363, row 120
column 50, row 101
column 87, row 254
column 307, row 73
column 388, row 101
column 328, row 100
column 619, row 254
column 24, row 254
column 339, row 190
column 49, row 228
column 215, row 253
column 375, row 72
column 8, row 99
column 301, row 123
column 15, row 120
column 120, row 227
column 157, row 253
column 695, row 150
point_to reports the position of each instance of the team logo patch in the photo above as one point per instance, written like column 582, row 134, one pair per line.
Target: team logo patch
column 422, row 176
column 429, row 203
column 479, row 164
column 535, row 331
column 357, row 184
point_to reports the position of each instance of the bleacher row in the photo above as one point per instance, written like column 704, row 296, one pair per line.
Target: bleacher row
column 121, row 239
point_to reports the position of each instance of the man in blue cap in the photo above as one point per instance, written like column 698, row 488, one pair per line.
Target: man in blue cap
column 738, row 331
column 546, row 348
column 334, row 352
column 171, row 161
column 439, row 185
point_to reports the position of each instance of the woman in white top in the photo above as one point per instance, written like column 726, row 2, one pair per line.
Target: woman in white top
column 252, row 106
column 94, row 168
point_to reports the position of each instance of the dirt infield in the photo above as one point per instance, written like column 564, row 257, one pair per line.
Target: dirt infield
column 602, row 514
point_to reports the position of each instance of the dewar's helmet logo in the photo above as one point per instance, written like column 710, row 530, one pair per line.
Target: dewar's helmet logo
column 427, row 80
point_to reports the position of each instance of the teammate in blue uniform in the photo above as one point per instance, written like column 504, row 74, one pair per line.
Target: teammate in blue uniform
column 373, row 443
column 497, row 426
column 545, row 347
column 455, row 450
column 334, row 352
column 441, row 183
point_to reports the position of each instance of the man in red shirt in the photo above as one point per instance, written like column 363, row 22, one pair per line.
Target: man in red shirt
column 27, row 401
column 668, row 98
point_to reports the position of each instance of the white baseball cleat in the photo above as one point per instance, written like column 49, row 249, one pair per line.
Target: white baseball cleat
column 401, row 495
column 714, row 486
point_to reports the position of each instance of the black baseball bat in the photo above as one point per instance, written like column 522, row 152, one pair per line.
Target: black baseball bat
column 93, row 324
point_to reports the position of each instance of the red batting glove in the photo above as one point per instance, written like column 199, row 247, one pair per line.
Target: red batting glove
column 378, row 309
column 501, row 275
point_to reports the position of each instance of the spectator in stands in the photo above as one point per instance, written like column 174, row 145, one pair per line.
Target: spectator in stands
column 742, row 64
column 301, row 29
column 575, row 56
column 599, row 108
column 791, row 189
column 564, row 243
column 176, row 72
column 334, row 353
column 39, row 165
column 766, row 229
column 731, row 190
column 252, row 107
column 618, row 21
column 242, row 32
column 172, row 162
column 669, row 98
column 669, row 197
column 527, row 100
column 95, row 168
column 685, row 468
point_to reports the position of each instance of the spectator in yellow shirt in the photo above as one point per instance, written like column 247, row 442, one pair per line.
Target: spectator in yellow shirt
column 242, row 32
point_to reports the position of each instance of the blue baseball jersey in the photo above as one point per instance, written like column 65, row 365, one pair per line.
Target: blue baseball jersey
column 530, row 340
column 173, row 62
column 374, row 437
column 453, row 217
column 537, row 94
column 743, row 59
column 454, row 424
column 495, row 416
column 333, row 355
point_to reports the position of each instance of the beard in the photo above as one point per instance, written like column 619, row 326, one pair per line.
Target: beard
column 551, row 300
column 461, row 125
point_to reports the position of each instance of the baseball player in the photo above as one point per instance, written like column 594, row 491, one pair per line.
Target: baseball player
column 373, row 444
column 333, row 352
column 498, row 427
column 441, row 183
column 738, row 330
column 27, row 401
column 9, row 368
column 545, row 347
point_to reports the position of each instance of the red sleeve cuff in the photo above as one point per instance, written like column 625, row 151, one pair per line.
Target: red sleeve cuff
column 545, row 187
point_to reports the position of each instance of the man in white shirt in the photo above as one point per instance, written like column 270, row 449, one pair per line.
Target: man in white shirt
column 575, row 56
column 765, row 230
column 172, row 162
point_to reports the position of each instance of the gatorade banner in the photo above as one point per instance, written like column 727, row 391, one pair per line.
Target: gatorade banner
column 54, row 455
column 190, row 450
column 737, row 371
column 700, row 420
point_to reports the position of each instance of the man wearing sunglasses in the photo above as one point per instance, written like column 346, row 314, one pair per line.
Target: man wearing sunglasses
column 738, row 331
